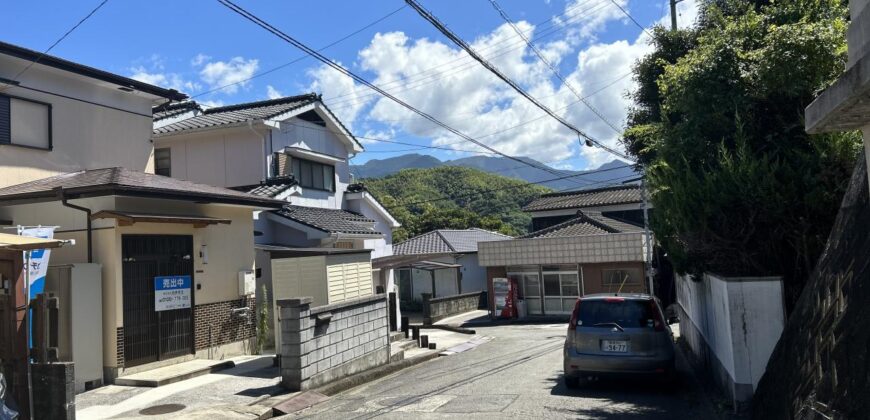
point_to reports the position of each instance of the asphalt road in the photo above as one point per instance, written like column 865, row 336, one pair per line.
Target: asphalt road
column 516, row 375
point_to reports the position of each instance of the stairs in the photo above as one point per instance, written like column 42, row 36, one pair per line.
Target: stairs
column 399, row 344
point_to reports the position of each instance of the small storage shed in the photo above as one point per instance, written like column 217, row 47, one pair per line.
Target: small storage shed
column 327, row 275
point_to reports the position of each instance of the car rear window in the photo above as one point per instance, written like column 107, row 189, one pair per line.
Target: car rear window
column 627, row 313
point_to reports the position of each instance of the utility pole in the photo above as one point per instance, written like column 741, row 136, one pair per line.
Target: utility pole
column 674, row 14
column 647, row 236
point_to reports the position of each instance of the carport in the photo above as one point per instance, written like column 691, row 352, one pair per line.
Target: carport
column 405, row 266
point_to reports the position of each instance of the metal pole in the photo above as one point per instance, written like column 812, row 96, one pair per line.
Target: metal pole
column 674, row 14
column 647, row 239
column 27, row 322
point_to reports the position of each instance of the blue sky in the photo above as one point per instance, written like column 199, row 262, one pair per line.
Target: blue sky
column 196, row 46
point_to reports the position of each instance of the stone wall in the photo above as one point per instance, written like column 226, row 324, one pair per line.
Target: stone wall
column 821, row 363
column 325, row 343
column 436, row 309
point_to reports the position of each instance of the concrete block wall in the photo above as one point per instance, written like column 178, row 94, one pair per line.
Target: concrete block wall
column 325, row 343
column 436, row 309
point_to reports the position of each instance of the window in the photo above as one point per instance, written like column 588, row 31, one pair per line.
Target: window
column 163, row 161
column 25, row 123
column 626, row 313
column 313, row 175
column 561, row 288
column 617, row 277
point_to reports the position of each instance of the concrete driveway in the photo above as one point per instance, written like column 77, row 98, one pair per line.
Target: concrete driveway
column 516, row 375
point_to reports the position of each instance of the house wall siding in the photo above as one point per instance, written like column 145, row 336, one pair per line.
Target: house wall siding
column 230, row 157
column 85, row 136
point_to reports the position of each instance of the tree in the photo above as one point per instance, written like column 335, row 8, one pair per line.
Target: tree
column 472, row 198
column 738, row 186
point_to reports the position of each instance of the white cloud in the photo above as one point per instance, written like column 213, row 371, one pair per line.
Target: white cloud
column 443, row 81
column 167, row 80
column 273, row 93
column 210, row 103
column 232, row 73
column 376, row 134
column 199, row 59
column 333, row 84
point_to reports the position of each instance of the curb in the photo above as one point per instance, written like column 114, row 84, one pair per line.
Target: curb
column 372, row 374
column 149, row 383
column 496, row 323
column 444, row 327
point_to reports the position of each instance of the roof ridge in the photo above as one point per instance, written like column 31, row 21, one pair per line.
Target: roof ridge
column 263, row 103
column 449, row 245
column 597, row 223
column 590, row 191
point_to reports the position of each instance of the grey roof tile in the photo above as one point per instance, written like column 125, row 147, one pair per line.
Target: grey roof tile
column 239, row 113
column 586, row 223
column 586, row 198
column 446, row 241
column 329, row 220
column 269, row 188
column 173, row 108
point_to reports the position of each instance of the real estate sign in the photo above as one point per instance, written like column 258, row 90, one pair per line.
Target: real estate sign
column 171, row 292
column 38, row 267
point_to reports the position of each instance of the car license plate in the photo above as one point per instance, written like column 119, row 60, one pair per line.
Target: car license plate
column 614, row 346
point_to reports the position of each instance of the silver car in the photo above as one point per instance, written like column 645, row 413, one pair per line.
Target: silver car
column 612, row 334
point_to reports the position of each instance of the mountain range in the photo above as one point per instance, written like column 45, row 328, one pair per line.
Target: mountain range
column 613, row 172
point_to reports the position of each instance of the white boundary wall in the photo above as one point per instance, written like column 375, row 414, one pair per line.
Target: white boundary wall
column 732, row 325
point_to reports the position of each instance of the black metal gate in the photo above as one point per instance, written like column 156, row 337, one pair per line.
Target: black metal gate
column 149, row 335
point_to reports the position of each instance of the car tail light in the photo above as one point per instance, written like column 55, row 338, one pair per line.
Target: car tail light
column 572, row 323
column 658, row 322
column 614, row 299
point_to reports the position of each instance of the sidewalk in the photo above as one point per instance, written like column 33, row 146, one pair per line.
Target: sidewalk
column 252, row 378
column 247, row 391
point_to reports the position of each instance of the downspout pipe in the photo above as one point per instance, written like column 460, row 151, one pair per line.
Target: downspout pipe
column 63, row 200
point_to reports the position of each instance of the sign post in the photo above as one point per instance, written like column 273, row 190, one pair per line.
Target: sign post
column 171, row 292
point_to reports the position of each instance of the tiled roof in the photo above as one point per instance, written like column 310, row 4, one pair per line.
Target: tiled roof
column 586, row 198
column 329, row 220
column 239, row 113
column 586, row 223
column 446, row 241
column 122, row 181
column 269, row 188
column 173, row 108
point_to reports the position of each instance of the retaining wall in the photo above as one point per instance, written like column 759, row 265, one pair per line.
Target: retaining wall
column 325, row 343
column 731, row 326
column 436, row 309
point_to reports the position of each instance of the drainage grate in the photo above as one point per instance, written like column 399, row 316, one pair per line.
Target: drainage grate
column 161, row 409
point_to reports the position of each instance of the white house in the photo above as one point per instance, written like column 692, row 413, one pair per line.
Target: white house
column 291, row 149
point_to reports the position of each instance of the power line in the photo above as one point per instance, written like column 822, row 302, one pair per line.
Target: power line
column 473, row 193
column 625, row 12
column 553, row 68
column 461, row 43
column 287, row 38
column 59, row 40
column 469, row 63
column 294, row 61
